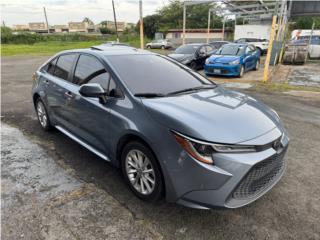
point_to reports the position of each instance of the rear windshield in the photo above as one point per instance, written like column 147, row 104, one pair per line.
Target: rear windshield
column 154, row 74
column 234, row 50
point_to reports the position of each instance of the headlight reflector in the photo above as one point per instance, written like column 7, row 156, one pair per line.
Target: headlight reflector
column 202, row 151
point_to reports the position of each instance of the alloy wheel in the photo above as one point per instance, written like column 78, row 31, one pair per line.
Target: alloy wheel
column 42, row 115
column 140, row 172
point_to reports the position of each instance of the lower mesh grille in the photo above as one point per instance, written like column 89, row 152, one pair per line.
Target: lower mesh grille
column 260, row 177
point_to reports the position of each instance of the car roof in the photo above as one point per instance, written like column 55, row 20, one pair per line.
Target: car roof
column 110, row 50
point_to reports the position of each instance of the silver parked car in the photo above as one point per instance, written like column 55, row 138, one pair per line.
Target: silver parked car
column 174, row 133
column 160, row 44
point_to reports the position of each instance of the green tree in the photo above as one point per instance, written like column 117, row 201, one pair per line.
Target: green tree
column 306, row 22
column 171, row 16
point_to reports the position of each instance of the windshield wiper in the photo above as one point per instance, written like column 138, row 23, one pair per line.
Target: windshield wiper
column 211, row 86
column 149, row 95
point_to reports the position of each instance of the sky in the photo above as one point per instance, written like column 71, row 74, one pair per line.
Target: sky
column 64, row 11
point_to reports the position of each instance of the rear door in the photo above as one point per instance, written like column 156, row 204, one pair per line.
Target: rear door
column 59, row 87
column 249, row 57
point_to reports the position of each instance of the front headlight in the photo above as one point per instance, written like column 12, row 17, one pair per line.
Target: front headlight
column 202, row 151
column 207, row 61
column 235, row 62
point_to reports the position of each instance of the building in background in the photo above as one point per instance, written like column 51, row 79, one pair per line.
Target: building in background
column 197, row 35
column 81, row 27
column 38, row 27
column 20, row 27
column 60, row 28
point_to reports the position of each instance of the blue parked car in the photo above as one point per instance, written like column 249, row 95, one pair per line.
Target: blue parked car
column 233, row 60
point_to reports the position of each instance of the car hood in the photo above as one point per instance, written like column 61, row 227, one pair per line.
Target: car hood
column 215, row 115
column 180, row 57
column 222, row 58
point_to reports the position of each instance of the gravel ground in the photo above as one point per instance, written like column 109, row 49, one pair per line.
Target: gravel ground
column 52, row 188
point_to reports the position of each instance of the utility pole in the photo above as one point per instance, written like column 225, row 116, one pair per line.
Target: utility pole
column 223, row 26
column 184, row 24
column 208, row 35
column 141, row 25
column 115, row 20
column 45, row 16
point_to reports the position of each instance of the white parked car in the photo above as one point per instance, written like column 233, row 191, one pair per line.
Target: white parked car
column 314, row 48
column 260, row 44
column 160, row 43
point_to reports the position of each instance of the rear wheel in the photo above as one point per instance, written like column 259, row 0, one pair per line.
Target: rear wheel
column 141, row 171
column 256, row 67
column 163, row 47
column 149, row 47
column 42, row 115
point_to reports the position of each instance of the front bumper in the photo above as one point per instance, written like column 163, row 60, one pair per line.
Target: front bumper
column 222, row 69
column 235, row 180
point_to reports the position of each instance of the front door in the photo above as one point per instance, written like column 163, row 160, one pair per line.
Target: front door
column 91, row 116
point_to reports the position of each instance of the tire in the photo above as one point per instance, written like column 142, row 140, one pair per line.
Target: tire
column 193, row 66
column 163, row 47
column 256, row 67
column 42, row 115
column 149, row 47
column 145, row 182
column 241, row 72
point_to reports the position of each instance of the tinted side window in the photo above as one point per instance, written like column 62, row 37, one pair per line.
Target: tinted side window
column 49, row 68
column 89, row 69
column 64, row 66
column 209, row 48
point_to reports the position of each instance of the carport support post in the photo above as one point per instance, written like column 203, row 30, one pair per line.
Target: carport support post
column 208, row 35
column 184, row 24
column 141, row 25
column 223, row 25
column 267, row 62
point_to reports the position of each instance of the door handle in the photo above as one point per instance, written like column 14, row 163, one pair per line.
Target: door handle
column 46, row 82
column 68, row 94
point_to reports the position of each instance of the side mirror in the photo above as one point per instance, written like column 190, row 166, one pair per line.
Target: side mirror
column 93, row 90
column 202, row 53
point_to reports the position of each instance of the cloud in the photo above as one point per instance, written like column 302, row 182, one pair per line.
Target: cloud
column 64, row 11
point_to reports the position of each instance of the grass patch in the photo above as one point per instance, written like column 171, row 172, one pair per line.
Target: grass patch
column 52, row 47
column 43, row 48
column 282, row 87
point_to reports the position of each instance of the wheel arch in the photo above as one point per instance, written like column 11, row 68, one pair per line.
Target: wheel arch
column 133, row 136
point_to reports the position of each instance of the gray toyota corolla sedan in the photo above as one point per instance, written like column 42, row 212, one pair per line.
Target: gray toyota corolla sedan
column 174, row 133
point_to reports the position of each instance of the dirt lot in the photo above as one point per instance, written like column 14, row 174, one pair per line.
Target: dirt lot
column 52, row 188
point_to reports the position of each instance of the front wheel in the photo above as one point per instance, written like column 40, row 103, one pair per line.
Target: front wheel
column 256, row 67
column 142, row 171
column 149, row 47
column 193, row 66
column 163, row 47
column 241, row 72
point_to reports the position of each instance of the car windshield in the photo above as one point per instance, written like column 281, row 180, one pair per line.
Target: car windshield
column 154, row 74
column 187, row 49
column 234, row 50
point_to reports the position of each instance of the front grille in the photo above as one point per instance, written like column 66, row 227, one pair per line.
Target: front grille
column 260, row 177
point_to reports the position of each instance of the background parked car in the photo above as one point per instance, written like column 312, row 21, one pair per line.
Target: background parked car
column 314, row 47
column 193, row 55
column 218, row 44
column 160, row 43
column 260, row 44
column 233, row 60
